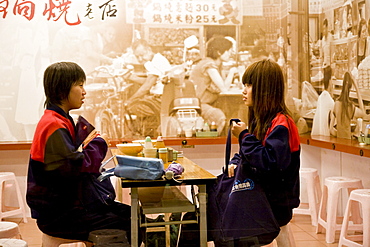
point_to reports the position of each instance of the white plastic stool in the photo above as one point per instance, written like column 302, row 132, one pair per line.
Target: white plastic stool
column 284, row 239
column 50, row 241
column 7, row 178
column 9, row 229
column 11, row 242
column 361, row 196
column 329, row 204
column 77, row 244
column 312, row 180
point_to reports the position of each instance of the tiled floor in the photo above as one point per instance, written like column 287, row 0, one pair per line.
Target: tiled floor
column 304, row 233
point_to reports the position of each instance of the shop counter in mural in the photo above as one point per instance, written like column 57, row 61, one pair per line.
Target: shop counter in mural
column 344, row 49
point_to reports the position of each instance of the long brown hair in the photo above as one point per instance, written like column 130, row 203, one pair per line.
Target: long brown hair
column 344, row 95
column 268, row 95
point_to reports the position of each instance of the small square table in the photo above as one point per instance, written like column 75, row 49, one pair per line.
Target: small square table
column 193, row 175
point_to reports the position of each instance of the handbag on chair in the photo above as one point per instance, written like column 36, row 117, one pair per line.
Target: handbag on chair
column 237, row 208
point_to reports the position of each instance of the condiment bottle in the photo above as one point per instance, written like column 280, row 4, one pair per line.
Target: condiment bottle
column 163, row 154
column 199, row 123
column 148, row 142
column 160, row 142
column 170, row 154
column 367, row 134
column 174, row 154
column 359, row 125
column 213, row 126
column 206, row 127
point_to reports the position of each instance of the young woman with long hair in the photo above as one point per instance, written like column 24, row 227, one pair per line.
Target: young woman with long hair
column 269, row 145
column 345, row 109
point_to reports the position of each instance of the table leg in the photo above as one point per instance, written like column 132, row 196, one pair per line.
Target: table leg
column 134, row 217
column 167, row 230
column 203, row 214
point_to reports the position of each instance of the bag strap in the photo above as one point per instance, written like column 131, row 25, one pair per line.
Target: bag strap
column 228, row 144
column 104, row 163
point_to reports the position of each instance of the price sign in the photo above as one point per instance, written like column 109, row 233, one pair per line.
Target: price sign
column 186, row 12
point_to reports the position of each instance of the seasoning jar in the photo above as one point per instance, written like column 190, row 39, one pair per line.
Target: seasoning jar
column 170, row 154
column 148, row 142
column 174, row 154
column 206, row 127
column 163, row 154
column 367, row 132
column 180, row 154
column 160, row 142
column 213, row 126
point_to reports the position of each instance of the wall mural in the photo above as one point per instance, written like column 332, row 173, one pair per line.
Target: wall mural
column 340, row 65
column 126, row 101
column 98, row 35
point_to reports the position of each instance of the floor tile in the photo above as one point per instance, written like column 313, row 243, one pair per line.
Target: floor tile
column 304, row 233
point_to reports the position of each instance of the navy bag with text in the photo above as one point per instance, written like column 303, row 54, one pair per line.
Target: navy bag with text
column 238, row 212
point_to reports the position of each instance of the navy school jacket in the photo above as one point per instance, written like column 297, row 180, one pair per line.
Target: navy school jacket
column 60, row 178
column 275, row 161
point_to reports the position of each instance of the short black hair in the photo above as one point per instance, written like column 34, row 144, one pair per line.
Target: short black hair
column 216, row 46
column 59, row 77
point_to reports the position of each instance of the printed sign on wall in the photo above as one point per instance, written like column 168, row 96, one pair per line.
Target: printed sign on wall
column 36, row 33
column 184, row 12
column 68, row 11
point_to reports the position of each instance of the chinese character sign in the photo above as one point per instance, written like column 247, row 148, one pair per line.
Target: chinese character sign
column 70, row 12
column 36, row 33
column 184, row 12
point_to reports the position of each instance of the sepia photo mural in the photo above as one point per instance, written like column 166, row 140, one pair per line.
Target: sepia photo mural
column 139, row 55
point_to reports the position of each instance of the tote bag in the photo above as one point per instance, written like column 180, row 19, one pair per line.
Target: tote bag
column 238, row 209
column 136, row 168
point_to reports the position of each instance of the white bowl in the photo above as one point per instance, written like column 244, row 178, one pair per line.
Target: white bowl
column 130, row 148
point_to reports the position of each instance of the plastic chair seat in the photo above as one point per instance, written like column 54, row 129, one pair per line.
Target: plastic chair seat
column 9, row 229
column 311, row 178
column 6, row 177
column 11, row 242
column 361, row 196
column 77, row 244
column 50, row 241
column 329, row 202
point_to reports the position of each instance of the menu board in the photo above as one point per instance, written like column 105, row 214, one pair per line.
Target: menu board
column 186, row 12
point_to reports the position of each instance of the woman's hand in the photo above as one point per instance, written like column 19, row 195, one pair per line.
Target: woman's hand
column 233, row 71
column 231, row 170
column 237, row 128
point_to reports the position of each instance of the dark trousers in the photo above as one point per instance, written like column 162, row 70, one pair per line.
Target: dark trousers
column 77, row 224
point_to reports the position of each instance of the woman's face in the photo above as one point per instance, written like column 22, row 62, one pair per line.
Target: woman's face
column 247, row 95
column 76, row 96
column 226, row 55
